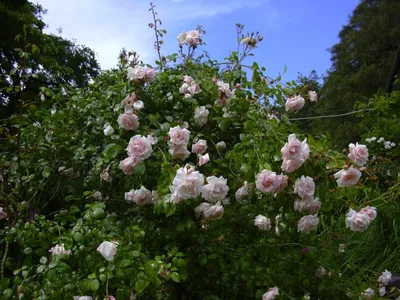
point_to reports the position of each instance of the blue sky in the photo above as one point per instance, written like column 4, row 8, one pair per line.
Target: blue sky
column 296, row 33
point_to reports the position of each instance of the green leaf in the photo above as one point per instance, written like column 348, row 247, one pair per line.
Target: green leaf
column 46, row 172
column 169, row 119
column 78, row 237
column 94, row 285
column 169, row 209
column 140, row 169
column 202, row 259
column 140, row 285
column 175, row 277
column 224, row 124
column 262, row 146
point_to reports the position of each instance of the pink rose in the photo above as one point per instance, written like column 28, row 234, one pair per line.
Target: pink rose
column 128, row 164
column 266, row 181
column 242, row 192
column 281, row 183
column 290, row 165
column 292, row 150
column 349, row 177
column 307, row 223
column 3, row 214
column 203, row 159
column 187, row 79
column 304, row 187
column 140, row 197
column 139, row 147
column 313, row 96
column 357, row 222
column 200, row 147
column 295, row 103
column 262, row 222
column 215, row 190
column 200, row 209
column 128, row 121
column 358, row 154
column 271, row 294
column 178, row 135
column 370, row 211
column 309, row 205
column 187, row 183
column 215, row 212
column 179, row 152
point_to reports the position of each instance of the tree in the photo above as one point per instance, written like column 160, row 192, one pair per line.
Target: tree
column 361, row 63
column 27, row 54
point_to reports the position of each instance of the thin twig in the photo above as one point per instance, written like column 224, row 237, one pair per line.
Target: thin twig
column 331, row 116
column 158, row 47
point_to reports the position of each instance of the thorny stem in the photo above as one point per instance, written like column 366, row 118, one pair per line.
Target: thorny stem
column 157, row 43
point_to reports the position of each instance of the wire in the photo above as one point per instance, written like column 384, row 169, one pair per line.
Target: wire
column 331, row 116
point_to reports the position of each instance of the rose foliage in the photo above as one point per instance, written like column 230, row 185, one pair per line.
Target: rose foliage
column 177, row 182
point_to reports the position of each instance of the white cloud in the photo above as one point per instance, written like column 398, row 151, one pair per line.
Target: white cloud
column 106, row 26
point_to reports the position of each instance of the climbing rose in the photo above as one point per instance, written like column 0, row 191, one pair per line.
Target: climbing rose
column 59, row 250
column 224, row 89
column 179, row 152
column 368, row 293
column 203, row 159
column 3, row 214
column 242, row 192
column 269, row 182
column 178, row 135
column 382, row 291
column 201, row 208
column 128, row 164
column 295, row 103
column 83, row 298
column 349, row 177
column 200, row 147
column 187, row 183
column 201, row 115
column 262, row 222
column 271, row 294
column 108, row 130
column 105, row 176
column 359, row 221
column 139, row 147
column 215, row 212
column 307, row 223
column 313, row 96
column 221, row 145
column 97, row 196
column 190, row 38
column 189, row 89
column 139, row 73
column 215, row 190
column 128, row 121
column 294, row 153
column 304, row 187
column 320, row 272
column 108, row 250
column 385, row 278
column 358, row 154
column 141, row 196
column 309, row 205
column 187, row 79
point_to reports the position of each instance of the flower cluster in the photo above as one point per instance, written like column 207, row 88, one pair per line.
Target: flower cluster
column 189, row 87
column 210, row 212
column 384, row 280
column 295, row 103
column 190, row 38
column 187, row 184
column 139, row 148
column 178, row 140
column 294, row 153
column 141, row 196
column 243, row 192
column 3, row 214
column 387, row 144
column 270, row 182
column 262, row 222
column 59, row 250
column 225, row 92
column 140, row 74
column 201, row 115
column 305, row 188
column 271, row 294
column 359, row 221
column 108, row 250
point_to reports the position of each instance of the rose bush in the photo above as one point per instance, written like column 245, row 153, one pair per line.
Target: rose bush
column 166, row 222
